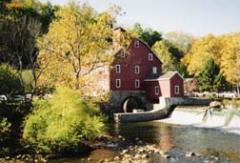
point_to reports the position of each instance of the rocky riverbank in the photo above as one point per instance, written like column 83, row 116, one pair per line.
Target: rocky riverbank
column 125, row 152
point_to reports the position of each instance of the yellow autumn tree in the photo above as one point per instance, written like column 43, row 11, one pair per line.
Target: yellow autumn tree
column 162, row 50
column 201, row 50
column 230, row 59
column 77, row 43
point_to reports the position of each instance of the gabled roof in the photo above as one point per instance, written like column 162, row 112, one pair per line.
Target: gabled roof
column 119, row 28
column 167, row 76
column 145, row 44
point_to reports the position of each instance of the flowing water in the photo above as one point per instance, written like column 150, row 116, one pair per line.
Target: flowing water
column 168, row 136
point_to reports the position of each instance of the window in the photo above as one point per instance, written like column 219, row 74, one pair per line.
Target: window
column 137, row 83
column 122, row 54
column 136, row 43
column 156, row 90
column 118, row 83
column 176, row 89
column 118, row 68
column 154, row 70
column 150, row 56
column 137, row 69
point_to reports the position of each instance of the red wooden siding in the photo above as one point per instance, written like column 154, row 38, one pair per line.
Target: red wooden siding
column 176, row 80
column 134, row 56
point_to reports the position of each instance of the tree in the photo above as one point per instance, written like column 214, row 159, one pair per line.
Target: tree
column 147, row 35
column 162, row 51
column 24, row 21
column 210, row 79
column 151, row 36
column 230, row 59
column 77, row 43
column 179, row 40
column 136, row 31
column 22, row 33
column 201, row 50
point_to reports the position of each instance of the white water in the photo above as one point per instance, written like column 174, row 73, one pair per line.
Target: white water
column 183, row 117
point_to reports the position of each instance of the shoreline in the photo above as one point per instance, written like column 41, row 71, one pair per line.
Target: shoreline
column 188, row 117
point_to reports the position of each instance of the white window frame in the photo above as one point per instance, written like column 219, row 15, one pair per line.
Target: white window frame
column 136, row 43
column 137, row 69
column 177, row 89
column 154, row 70
column 122, row 53
column 118, row 83
column 118, row 68
column 150, row 56
column 156, row 90
column 137, row 83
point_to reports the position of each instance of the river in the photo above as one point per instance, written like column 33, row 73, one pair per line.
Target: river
column 168, row 136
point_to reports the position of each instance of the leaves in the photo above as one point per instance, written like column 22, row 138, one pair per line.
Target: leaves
column 147, row 35
column 210, row 79
column 79, row 39
column 62, row 122
column 162, row 51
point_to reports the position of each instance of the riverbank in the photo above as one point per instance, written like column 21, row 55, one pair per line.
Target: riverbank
column 194, row 117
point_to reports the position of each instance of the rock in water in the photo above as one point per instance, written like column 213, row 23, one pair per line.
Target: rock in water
column 215, row 104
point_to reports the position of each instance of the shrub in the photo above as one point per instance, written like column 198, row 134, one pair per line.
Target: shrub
column 9, row 80
column 4, row 130
column 62, row 122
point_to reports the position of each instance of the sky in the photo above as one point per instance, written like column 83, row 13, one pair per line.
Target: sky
column 196, row 17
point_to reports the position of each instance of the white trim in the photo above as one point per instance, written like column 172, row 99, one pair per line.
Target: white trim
column 156, row 90
column 122, row 53
column 137, row 83
column 177, row 89
column 118, row 83
column 137, row 69
column 118, row 68
column 150, row 56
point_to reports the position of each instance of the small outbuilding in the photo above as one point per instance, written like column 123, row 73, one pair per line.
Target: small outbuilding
column 169, row 84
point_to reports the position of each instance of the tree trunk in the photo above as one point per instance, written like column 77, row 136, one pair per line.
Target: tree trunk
column 77, row 80
column 238, row 88
column 20, row 74
column 35, row 79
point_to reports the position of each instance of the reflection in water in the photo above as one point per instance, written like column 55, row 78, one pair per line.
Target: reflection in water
column 166, row 136
column 166, row 142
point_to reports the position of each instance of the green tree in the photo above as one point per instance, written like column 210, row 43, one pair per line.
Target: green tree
column 147, row 35
column 23, row 22
column 162, row 51
column 210, row 79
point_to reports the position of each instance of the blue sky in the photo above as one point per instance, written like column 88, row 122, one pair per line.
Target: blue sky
column 197, row 17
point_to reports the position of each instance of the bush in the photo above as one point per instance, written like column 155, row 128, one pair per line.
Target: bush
column 62, row 122
column 9, row 80
column 4, row 130
column 11, row 117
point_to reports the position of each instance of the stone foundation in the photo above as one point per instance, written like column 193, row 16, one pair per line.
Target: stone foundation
column 160, row 111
